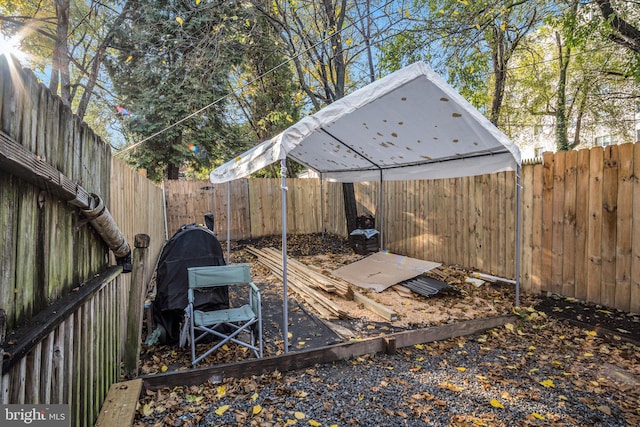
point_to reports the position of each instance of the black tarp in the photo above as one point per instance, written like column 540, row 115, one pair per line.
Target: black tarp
column 191, row 246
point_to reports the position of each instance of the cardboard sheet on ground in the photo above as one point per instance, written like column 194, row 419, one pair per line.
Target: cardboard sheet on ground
column 382, row 270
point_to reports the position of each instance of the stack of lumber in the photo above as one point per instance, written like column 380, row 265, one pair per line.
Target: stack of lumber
column 306, row 283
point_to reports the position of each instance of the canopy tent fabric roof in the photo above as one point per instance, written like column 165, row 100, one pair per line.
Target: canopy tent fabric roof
column 408, row 125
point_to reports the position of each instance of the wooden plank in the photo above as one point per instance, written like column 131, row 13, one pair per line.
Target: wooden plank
column 18, row 382
column 119, row 407
column 472, row 221
column 422, row 216
column 462, row 236
column 594, row 239
column 380, row 309
column 99, row 384
column 569, row 224
column 69, row 354
column 547, row 222
column 557, row 222
column 609, row 225
column 500, row 232
column 34, row 365
column 46, row 368
column 306, row 358
column 635, row 238
column 536, row 237
column 137, row 293
column 494, row 215
column 8, row 243
column 452, row 220
column 624, row 228
column 58, row 378
column 582, row 223
column 5, row 382
column 527, row 224
column 410, row 226
column 480, row 235
column 510, row 201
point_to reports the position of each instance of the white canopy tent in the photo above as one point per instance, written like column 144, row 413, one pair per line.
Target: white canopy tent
column 408, row 125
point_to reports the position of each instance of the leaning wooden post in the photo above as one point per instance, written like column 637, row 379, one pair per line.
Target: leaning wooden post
column 136, row 306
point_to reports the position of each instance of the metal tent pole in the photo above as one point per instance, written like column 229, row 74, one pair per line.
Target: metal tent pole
column 379, row 214
column 518, row 233
column 285, row 303
column 228, row 222
column 321, row 206
column 164, row 211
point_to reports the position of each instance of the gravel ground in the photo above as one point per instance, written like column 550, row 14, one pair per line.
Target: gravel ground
column 540, row 371
column 537, row 371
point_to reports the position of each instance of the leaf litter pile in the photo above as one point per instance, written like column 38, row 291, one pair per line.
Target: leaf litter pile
column 538, row 370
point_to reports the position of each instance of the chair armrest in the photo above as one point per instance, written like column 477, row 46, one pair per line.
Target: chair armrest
column 256, row 299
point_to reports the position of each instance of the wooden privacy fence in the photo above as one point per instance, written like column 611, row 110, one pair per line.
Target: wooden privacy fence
column 77, row 360
column 62, row 305
column 580, row 237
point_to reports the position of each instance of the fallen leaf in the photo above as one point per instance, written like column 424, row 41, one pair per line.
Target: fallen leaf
column 496, row 404
column 179, row 20
column 256, row 409
column 222, row 409
column 314, row 423
column 461, row 368
column 147, row 409
column 164, row 368
column 221, row 391
column 299, row 415
column 548, row 383
column 537, row 416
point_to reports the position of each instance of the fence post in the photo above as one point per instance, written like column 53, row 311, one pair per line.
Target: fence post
column 136, row 306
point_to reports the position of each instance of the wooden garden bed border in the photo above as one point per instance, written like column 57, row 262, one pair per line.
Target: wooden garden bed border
column 328, row 354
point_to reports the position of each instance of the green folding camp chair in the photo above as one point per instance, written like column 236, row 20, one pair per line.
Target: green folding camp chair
column 241, row 325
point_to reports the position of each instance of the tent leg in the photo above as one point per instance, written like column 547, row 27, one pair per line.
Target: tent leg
column 285, row 302
column 164, row 211
column 380, row 217
column 518, row 233
column 321, row 207
column 228, row 222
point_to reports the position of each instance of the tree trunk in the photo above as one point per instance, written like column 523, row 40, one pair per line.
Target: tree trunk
column 61, row 54
column 350, row 209
column 173, row 171
column 562, row 138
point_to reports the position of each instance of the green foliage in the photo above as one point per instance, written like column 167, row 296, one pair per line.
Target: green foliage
column 170, row 60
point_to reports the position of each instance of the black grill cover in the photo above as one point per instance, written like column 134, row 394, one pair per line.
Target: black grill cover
column 191, row 246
